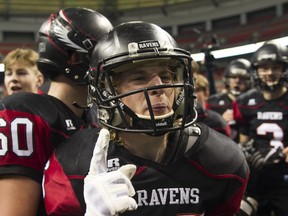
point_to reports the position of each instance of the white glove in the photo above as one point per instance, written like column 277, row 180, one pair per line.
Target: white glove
column 107, row 193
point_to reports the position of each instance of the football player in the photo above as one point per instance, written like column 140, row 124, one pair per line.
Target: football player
column 143, row 85
column 209, row 117
column 262, row 116
column 237, row 81
column 32, row 124
column 21, row 72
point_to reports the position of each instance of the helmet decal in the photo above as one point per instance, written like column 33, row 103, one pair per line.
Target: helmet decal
column 62, row 33
column 148, row 44
column 65, row 40
column 267, row 56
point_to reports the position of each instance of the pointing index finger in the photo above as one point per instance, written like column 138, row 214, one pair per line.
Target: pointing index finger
column 98, row 162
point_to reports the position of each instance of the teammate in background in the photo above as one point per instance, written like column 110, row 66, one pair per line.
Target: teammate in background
column 208, row 117
column 143, row 85
column 21, row 73
column 262, row 116
column 32, row 124
column 237, row 81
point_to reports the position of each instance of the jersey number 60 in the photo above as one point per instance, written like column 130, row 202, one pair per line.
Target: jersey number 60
column 28, row 125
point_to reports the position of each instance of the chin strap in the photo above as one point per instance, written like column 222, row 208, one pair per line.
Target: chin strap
column 234, row 92
column 87, row 106
column 78, row 106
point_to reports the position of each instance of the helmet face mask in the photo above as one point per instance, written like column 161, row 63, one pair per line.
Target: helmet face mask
column 67, row 39
column 270, row 75
column 269, row 64
column 237, row 76
column 108, row 71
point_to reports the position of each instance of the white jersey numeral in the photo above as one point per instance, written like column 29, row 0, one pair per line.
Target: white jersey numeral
column 3, row 138
column 28, row 127
column 277, row 132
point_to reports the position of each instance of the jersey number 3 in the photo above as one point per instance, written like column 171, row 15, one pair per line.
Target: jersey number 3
column 14, row 129
column 277, row 132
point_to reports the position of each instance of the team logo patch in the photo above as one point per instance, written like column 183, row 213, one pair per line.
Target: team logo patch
column 69, row 124
column 148, row 44
column 113, row 164
column 251, row 102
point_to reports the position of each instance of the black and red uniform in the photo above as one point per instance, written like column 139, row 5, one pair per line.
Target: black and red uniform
column 213, row 120
column 266, row 121
column 31, row 125
column 219, row 103
column 207, row 177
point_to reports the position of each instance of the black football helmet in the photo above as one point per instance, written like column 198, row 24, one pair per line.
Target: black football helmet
column 128, row 45
column 237, row 68
column 270, row 52
column 66, row 39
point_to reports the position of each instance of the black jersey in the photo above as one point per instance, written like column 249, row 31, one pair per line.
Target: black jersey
column 31, row 125
column 219, row 102
column 265, row 121
column 206, row 177
column 213, row 120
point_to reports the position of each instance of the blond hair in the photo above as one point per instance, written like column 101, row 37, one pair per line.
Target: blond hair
column 22, row 56
column 196, row 68
column 201, row 83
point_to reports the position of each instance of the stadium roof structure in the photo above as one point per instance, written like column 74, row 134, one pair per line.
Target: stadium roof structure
column 110, row 8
